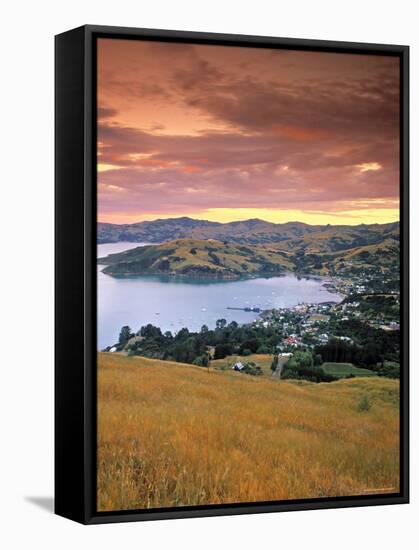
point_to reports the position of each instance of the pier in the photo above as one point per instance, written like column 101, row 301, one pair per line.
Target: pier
column 249, row 309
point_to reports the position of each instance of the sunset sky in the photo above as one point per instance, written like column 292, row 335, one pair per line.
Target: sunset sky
column 226, row 133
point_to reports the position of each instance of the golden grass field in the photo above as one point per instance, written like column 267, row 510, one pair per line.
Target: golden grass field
column 174, row 435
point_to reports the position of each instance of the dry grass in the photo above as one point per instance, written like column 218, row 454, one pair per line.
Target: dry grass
column 173, row 435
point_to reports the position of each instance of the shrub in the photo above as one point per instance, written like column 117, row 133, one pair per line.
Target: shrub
column 201, row 360
column 364, row 404
column 252, row 369
column 318, row 360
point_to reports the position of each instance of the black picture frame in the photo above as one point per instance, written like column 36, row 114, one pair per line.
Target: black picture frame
column 75, row 273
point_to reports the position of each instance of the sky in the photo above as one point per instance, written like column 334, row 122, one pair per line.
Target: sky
column 225, row 133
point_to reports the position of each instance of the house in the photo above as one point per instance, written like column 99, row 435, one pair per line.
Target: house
column 238, row 366
column 344, row 339
column 291, row 341
column 392, row 326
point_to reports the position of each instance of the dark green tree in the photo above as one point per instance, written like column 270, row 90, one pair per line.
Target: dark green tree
column 124, row 335
column 222, row 350
column 274, row 363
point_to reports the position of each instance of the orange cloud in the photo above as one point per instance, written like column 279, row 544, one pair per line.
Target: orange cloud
column 191, row 169
column 369, row 166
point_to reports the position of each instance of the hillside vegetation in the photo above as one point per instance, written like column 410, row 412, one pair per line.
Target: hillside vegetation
column 171, row 434
column 251, row 247
column 198, row 258
column 262, row 360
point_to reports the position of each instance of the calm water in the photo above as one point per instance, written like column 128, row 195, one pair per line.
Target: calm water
column 175, row 303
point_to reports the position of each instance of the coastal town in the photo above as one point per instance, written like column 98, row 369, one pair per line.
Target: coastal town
column 370, row 297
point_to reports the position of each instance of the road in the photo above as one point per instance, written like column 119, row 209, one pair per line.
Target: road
column 278, row 370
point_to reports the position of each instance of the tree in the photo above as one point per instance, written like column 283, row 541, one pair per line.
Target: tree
column 264, row 349
column 124, row 335
column 274, row 363
column 252, row 344
column 204, row 329
column 222, row 350
column 220, row 323
column 318, row 360
column 183, row 333
column 150, row 331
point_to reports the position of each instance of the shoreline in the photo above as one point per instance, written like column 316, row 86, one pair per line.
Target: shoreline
column 220, row 278
column 253, row 316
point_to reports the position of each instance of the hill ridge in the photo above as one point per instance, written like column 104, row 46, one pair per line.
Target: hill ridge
column 251, row 231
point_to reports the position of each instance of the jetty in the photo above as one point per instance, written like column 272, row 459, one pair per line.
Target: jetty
column 249, row 309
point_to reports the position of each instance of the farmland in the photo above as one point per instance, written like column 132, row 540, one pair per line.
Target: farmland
column 342, row 370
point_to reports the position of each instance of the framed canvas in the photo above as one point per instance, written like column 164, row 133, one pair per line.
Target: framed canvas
column 231, row 274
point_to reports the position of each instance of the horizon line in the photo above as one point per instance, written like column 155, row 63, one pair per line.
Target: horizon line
column 247, row 220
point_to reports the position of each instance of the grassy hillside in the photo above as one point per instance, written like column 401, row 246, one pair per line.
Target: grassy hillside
column 198, row 258
column 171, row 434
column 331, row 249
column 250, row 247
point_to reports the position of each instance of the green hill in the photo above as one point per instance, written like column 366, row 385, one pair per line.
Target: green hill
column 227, row 260
column 249, row 247
column 328, row 251
column 198, row 258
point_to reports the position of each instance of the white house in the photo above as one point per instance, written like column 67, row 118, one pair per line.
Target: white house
column 238, row 366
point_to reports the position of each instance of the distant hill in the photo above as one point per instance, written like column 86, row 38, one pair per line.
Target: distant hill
column 198, row 258
column 329, row 250
column 156, row 231
column 254, row 231
column 250, row 247
column 249, row 231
